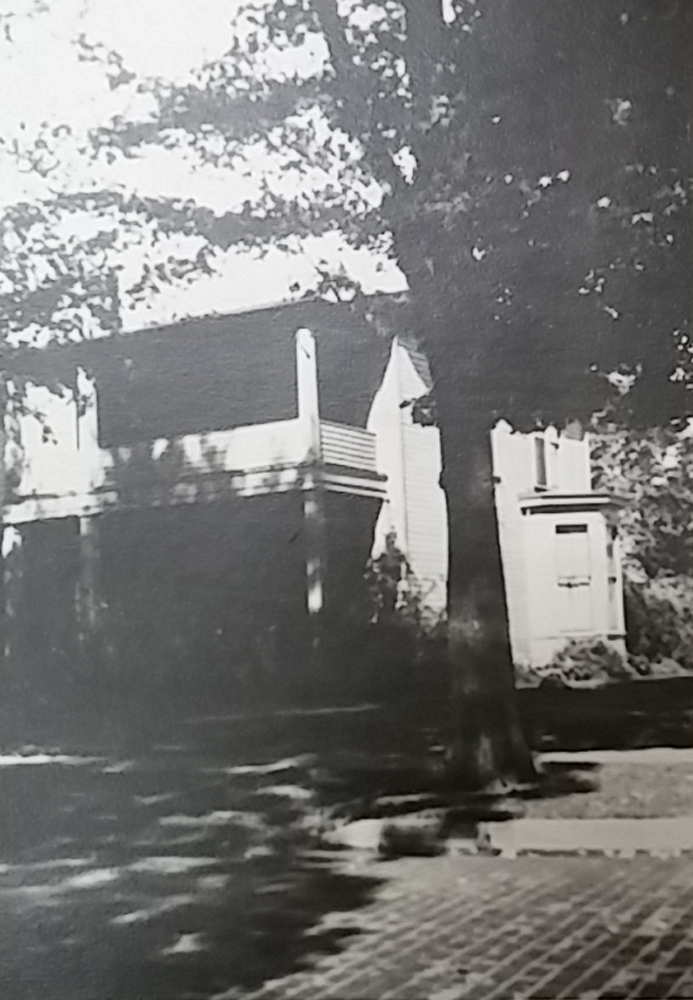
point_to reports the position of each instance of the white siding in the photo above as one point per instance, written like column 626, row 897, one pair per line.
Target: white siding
column 427, row 541
column 561, row 583
column 513, row 456
column 410, row 456
column 384, row 421
column 568, row 583
column 574, row 473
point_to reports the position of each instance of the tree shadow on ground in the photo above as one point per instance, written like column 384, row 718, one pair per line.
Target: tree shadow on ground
column 162, row 877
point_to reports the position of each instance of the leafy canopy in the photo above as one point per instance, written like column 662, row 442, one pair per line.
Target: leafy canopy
column 526, row 166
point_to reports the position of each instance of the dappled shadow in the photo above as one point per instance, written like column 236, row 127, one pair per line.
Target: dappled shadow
column 162, row 876
column 173, row 935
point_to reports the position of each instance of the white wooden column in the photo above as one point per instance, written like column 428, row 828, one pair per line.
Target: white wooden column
column 308, row 392
column 91, row 458
column 313, row 489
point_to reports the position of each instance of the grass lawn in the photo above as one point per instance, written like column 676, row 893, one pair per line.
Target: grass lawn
column 620, row 789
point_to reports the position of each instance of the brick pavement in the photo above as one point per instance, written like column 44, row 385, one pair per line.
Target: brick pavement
column 484, row 928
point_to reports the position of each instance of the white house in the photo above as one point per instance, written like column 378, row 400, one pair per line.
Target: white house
column 409, row 456
column 330, row 430
column 560, row 550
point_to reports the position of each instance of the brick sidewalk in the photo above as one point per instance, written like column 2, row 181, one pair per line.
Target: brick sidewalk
column 472, row 927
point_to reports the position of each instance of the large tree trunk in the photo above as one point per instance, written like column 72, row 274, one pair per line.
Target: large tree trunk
column 487, row 750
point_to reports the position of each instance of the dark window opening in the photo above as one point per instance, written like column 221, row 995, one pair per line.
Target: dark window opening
column 541, row 473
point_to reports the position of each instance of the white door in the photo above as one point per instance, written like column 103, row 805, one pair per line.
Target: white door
column 574, row 578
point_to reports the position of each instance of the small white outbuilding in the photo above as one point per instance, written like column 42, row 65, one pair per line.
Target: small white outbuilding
column 559, row 545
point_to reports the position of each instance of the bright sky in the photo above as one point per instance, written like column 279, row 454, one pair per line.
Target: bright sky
column 45, row 84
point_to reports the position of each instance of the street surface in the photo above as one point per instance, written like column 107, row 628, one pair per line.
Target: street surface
column 449, row 928
column 188, row 869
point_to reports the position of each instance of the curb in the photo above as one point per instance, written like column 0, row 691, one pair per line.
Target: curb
column 647, row 756
column 609, row 837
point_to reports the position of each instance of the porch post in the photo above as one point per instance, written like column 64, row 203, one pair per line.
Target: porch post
column 308, row 393
column 88, row 584
column 313, row 487
column 88, row 595
column 87, row 413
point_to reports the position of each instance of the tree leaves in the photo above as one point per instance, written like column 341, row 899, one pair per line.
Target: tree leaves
column 542, row 216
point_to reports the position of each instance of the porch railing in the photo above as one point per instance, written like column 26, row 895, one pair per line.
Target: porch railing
column 351, row 447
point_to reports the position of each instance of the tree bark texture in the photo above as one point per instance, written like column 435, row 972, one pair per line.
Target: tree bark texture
column 487, row 750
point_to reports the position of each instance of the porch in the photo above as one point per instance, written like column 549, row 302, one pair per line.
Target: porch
column 74, row 477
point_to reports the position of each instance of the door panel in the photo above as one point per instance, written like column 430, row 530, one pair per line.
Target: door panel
column 574, row 578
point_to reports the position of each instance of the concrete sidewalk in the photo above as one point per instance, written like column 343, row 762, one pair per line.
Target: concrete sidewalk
column 659, row 836
column 649, row 756
column 489, row 929
column 665, row 836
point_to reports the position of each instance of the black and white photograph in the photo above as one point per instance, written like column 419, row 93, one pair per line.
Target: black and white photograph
column 346, row 499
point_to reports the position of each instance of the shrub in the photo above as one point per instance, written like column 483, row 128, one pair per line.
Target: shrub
column 659, row 621
column 397, row 596
column 400, row 652
column 581, row 663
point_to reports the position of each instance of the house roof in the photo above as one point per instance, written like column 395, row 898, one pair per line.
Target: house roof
column 224, row 371
column 418, row 359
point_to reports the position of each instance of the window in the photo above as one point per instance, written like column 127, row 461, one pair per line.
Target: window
column 573, row 552
column 541, row 478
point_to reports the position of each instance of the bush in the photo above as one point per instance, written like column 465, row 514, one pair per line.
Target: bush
column 581, row 663
column 397, row 597
column 401, row 652
column 659, row 620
